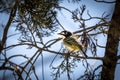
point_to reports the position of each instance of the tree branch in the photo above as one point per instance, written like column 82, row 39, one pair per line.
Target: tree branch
column 55, row 52
column 11, row 17
column 103, row 1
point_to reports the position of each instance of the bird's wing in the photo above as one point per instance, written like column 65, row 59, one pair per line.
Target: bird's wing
column 70, row 41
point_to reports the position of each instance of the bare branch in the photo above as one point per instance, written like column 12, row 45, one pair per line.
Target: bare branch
column 103, row 1
column 12, row 14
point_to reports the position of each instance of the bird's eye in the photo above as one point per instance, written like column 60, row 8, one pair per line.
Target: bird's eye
column 66, row 33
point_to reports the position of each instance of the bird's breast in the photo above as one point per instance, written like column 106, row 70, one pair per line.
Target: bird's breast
column 72, row 48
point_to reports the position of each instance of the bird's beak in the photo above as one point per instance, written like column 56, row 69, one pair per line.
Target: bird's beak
column 60, row 34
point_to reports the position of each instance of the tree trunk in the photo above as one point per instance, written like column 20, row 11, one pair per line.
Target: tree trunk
column 110, row 58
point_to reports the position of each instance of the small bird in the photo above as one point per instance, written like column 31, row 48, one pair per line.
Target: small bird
column 72, row 43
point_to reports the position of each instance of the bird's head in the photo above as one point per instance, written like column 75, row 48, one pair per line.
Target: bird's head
column 65, row 34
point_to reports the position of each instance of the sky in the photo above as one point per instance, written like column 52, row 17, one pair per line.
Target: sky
column 95, row 9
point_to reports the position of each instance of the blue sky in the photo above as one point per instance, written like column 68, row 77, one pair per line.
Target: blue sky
column 95, row 9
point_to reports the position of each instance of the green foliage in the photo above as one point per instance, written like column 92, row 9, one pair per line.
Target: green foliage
column 37, row 16
column 33, row 15
column 40, row 13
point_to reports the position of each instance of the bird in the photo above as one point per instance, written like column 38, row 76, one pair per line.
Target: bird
column 72, row 43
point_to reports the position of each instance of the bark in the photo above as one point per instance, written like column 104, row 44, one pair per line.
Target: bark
column 110, row 58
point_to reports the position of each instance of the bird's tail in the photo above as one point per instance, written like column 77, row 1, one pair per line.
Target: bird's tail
column 84, row 54
column 83, row 51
